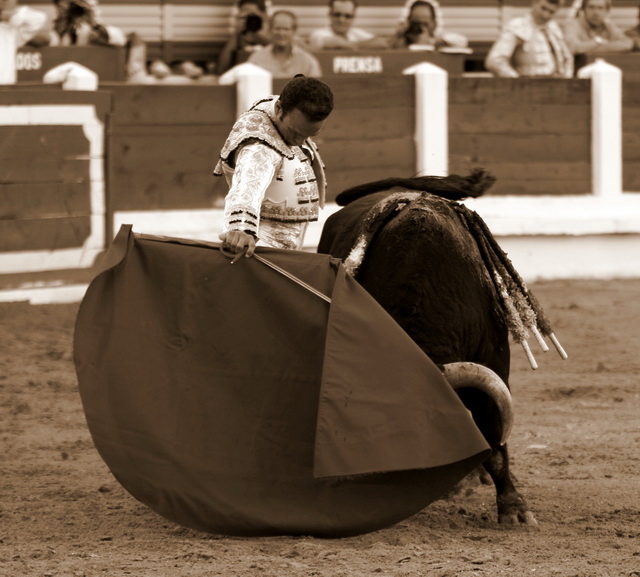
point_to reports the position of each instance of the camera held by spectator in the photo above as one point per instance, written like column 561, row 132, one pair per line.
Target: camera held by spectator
column 252, row 23
column 422, row 28
column 249, row 32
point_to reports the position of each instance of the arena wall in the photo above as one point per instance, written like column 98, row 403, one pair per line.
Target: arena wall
column 76, row 165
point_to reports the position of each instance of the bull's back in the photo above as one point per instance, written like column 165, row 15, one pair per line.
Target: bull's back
column 341, row 228
column 425, row 269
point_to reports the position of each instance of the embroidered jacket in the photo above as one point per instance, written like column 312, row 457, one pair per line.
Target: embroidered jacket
column 274, row 188
column 526, row 49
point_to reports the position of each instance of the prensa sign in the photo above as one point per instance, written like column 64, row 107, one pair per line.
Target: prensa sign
column 388, row 62
column 357, row 65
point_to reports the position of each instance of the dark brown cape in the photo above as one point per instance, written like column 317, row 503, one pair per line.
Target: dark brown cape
column 231, row 399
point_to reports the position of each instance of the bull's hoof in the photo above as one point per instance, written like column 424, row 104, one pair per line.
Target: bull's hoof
column 513, row 511
column 525, row 518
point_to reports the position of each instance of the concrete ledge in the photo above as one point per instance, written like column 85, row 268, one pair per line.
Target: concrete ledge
column 559, row 215
column 545, row 237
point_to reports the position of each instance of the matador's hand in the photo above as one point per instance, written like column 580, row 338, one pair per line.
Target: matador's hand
column 236, row 241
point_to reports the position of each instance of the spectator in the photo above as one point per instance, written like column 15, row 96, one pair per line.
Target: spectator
column 634, row 33
column 341, row 34
column 532, row 45
column 591, row 31
column 77, row 24
column 18, row 25
column 249, row 34
column 284, row 58
column 422, row 28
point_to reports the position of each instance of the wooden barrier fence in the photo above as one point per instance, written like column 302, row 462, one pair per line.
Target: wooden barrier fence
column 73, row 163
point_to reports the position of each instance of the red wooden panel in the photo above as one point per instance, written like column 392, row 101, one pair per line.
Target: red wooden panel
column 179, row 105
column 492, row 148
column 522, row 178
column 529, row 178
column 363, row 123
column 44, row 234
column 631, row 150
column 31, row 200
column 44, row 170
column 373, row 92
column 631, row 143
column 498, row 91
column 392, row 154
column 165, row 167
column 631, row 130
column 37, row 141
column 517, row 118
column 631, row 90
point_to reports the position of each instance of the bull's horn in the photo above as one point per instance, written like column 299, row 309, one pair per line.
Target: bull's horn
column 474, row 376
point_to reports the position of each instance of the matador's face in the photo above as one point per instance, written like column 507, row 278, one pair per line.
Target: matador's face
column 295, row 127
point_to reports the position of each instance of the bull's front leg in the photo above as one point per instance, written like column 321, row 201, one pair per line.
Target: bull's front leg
column 512, row 508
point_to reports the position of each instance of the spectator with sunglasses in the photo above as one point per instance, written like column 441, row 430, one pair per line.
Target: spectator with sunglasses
column 341, row 34
column 421, row 28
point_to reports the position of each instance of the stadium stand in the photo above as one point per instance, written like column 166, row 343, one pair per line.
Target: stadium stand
column 197, row 29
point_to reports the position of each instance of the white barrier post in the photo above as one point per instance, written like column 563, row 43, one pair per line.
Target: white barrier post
column 432, row 121
column 606, row 127
column 252, row 83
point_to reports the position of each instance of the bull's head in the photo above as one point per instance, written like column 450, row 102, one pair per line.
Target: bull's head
column 469, row 379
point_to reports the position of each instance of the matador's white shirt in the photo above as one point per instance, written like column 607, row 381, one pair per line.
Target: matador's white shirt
column 275, row 190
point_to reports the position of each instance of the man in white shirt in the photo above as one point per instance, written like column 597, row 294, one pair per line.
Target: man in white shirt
column 532, row 45
column 341, row 34
column 18, row 25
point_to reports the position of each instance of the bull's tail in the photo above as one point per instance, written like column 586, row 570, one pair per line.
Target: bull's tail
column 452, row 187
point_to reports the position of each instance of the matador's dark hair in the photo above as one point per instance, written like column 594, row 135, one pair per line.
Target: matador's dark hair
column 309, row 95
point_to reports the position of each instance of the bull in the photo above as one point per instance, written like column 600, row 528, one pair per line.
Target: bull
column 432, row 264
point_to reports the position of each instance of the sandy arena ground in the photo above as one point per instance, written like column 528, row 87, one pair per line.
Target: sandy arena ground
column 575, row 451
